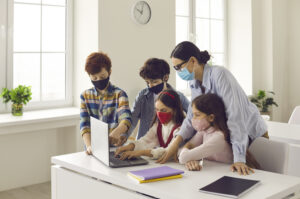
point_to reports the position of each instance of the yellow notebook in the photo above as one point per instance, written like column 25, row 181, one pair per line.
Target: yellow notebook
column 155, row 179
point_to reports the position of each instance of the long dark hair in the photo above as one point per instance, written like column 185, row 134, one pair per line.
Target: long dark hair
column 213, row 104
column 171, row 99
column 185, row 50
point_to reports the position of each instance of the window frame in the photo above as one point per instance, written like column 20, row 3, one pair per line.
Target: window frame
column 3, row 49
column 68, row 101
column 192, row 33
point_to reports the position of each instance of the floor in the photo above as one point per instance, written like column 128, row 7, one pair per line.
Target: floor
column 39, row 191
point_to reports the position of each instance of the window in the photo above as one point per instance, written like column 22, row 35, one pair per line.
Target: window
column 39, row 50
column 203, row 23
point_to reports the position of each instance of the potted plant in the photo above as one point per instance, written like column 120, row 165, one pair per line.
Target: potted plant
column 263, row 101
column 19, row 96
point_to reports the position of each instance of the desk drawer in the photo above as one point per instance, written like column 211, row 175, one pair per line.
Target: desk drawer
column 70, row 185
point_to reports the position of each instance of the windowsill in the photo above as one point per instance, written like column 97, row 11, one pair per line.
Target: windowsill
column 39, row 120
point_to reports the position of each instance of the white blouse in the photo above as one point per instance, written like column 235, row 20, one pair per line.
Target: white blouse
column 150, row 140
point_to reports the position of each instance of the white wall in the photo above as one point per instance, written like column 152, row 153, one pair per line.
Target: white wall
column 86, row 31
column 25, row 157
column 128, row 44
column 239, row 25
column 262, row 60
column 280, row 60
column 293, row 52
column 275, row 43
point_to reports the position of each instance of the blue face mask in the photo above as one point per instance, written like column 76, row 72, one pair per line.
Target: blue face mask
column 185, row 74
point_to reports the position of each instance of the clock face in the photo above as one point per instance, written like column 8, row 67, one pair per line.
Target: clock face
column 141, row 12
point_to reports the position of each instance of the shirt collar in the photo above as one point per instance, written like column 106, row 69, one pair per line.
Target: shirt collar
column 206, row 79
column 210, row 130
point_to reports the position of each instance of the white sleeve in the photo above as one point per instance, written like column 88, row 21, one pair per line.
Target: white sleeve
column 214, row 145
column 148, row 141
column 159, row 151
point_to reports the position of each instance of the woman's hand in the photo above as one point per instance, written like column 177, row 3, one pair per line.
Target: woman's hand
column 129, row 147
column 189, row 145
column 171, row 151
column 130, row 155
column 88, row 150
column 193, row 165
column 241, row 168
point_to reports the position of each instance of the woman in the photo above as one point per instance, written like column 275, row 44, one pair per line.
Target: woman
column 244, row 121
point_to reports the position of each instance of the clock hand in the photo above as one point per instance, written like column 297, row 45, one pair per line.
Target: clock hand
column 142, row 8
column 140, row 11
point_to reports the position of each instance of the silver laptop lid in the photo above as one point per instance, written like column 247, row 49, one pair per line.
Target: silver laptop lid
column 99, row 140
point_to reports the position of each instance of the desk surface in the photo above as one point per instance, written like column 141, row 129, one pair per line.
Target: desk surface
column 272, row 185
column 284, row 132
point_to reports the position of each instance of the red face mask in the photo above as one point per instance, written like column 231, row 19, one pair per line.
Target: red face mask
column 164, row 117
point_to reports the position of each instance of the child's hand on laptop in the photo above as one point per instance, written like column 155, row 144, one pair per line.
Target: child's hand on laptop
column 130, row 155
column 129, row 147
column 112, row 140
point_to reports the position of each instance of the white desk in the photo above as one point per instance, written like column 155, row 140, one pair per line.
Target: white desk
column 80, row 176
column 284, row 132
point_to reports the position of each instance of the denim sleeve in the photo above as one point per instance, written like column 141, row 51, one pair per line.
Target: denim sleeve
column 235, row 101
column 184, row 102
column 135, row 113
column 186, row 130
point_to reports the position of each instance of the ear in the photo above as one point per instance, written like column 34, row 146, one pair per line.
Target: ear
column 109, row 73
column 165, row 78
column 211, row 117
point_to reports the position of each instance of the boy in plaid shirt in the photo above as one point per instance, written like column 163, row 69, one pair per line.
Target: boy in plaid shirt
column 104, row 101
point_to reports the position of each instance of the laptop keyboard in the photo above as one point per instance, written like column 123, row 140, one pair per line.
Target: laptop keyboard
column 116, row 161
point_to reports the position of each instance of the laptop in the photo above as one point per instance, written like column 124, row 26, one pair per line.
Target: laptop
column 103, row 152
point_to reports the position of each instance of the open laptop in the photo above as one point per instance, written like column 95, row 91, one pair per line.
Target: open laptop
column 101, row 149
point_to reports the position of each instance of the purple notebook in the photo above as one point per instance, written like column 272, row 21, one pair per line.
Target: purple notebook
column 157, row 172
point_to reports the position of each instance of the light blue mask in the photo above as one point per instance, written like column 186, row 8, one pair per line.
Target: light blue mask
column 185, row 74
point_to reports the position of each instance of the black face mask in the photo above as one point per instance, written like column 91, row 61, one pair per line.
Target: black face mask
column 157, row 89
column 101, row 84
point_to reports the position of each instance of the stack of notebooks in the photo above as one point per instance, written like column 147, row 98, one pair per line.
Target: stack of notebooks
column 155, row 174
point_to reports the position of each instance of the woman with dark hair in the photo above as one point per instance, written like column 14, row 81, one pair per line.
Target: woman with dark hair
column 166, row 123
column 244, row 121
column 155, row 72
column 212, row 138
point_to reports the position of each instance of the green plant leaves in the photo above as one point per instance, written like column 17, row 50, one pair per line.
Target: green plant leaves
column 262, row 101
column 5, row 95
column 19, row 95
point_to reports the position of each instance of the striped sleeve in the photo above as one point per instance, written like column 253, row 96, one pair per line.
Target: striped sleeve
column 84, row 117
column 123, row 111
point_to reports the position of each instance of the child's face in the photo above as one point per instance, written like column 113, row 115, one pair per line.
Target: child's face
column 198, row 115
column 103, row 74
column 160, row 107
column 153, row 82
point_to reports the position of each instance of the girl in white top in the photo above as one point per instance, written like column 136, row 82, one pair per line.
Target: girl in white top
column 166, row 122
column 212, row 138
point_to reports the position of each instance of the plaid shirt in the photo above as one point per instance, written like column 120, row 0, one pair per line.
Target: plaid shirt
column 111, row 107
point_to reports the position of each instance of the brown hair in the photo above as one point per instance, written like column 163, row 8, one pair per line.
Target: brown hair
column 171, row 99
column 155, row 68
column 96, row 61
column 213, row 104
